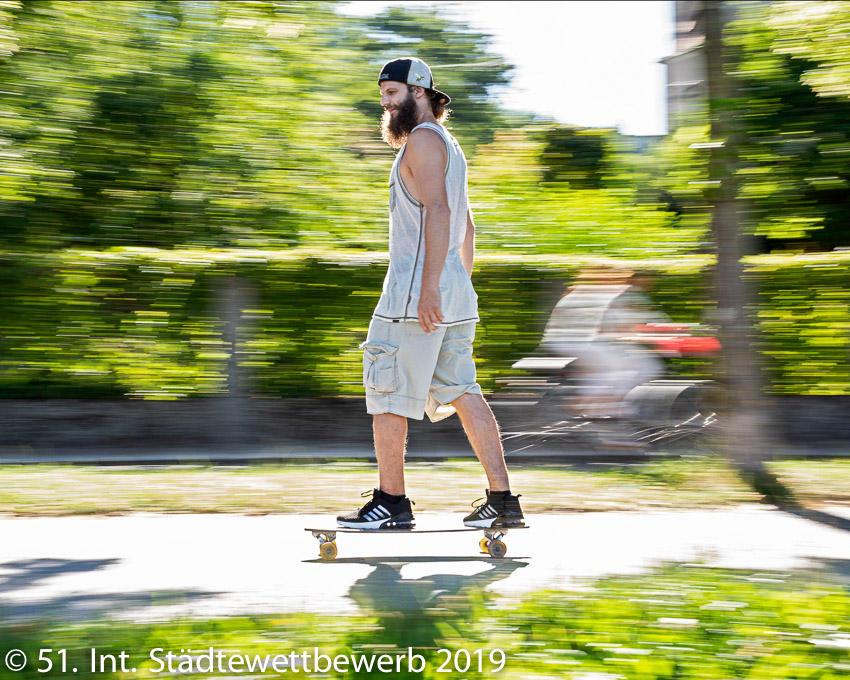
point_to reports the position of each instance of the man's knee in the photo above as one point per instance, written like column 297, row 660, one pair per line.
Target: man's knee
column 468, row 400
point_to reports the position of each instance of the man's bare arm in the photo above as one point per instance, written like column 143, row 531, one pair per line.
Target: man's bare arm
column 425, row 158
column 467, row 250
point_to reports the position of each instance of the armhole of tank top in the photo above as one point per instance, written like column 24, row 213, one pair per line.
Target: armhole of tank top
column 400, row 180
column 442, row 134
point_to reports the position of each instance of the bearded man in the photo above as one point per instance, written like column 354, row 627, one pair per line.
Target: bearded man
column 417, row 357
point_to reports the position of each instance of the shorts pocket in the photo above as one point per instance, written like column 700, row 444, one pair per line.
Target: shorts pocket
column 379, row 366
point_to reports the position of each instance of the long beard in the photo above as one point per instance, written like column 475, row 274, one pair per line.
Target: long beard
column 395, row 129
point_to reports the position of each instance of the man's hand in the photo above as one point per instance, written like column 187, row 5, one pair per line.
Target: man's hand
column 430, row 310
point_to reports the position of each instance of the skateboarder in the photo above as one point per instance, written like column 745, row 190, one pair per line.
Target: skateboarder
column 417, row 357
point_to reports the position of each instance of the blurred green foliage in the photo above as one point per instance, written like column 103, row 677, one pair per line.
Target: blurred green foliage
column 681, row 621
column 232, row 124
column 152, row 323
column 688, row 622
column 574, row 156
column 156, row 124
column 816, row 32
column 153, row 151
column 792, row 136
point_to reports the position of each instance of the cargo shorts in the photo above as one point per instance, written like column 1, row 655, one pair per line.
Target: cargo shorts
column 409, row 372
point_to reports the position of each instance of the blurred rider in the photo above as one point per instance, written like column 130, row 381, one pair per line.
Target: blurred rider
column 596, row 323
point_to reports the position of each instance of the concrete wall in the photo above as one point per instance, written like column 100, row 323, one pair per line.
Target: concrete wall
column 323, row 426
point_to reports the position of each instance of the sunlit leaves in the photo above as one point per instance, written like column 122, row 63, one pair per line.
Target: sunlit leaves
column 818, row 32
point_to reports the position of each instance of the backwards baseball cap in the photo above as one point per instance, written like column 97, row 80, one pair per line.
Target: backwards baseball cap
column 412, row 71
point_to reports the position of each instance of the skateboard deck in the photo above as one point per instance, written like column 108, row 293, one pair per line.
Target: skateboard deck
column 492, row 543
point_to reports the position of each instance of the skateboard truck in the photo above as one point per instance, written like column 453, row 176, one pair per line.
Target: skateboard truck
column 327, row 544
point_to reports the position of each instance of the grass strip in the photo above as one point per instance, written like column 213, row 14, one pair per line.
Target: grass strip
column 680, row 621
column 446, row 486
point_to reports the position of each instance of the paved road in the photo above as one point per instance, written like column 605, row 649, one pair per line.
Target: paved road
column 148, row 566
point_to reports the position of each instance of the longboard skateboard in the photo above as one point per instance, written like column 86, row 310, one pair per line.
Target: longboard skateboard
column 491, row 544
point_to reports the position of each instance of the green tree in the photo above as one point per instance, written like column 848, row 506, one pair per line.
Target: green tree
column 461, row 59
column 133, row 123
column 575, row 156
column 794, row 168
column 819, row 33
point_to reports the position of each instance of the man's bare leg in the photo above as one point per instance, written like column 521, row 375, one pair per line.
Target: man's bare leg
column 483, row 433
column 390, row 439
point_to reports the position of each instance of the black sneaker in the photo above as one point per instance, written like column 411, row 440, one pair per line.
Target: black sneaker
column 379, row 513
column 498, row 510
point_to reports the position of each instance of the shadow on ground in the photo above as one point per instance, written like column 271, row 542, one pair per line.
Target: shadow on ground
column 22, row 575
column 419, row 612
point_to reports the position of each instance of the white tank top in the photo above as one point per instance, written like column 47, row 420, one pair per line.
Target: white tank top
column 400, row 295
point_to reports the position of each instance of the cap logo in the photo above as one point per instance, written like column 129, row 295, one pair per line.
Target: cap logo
column 384, row 75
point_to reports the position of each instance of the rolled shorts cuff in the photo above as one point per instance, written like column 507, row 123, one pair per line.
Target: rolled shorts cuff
column 439, row 402
column 398, row 404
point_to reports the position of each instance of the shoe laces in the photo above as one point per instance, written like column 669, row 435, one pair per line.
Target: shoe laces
column 484, row 498
column 372, row 502
column 376, row 498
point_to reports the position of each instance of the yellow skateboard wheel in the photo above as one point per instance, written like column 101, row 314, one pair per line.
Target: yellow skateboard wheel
column 328, row 551
column 496, row 548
